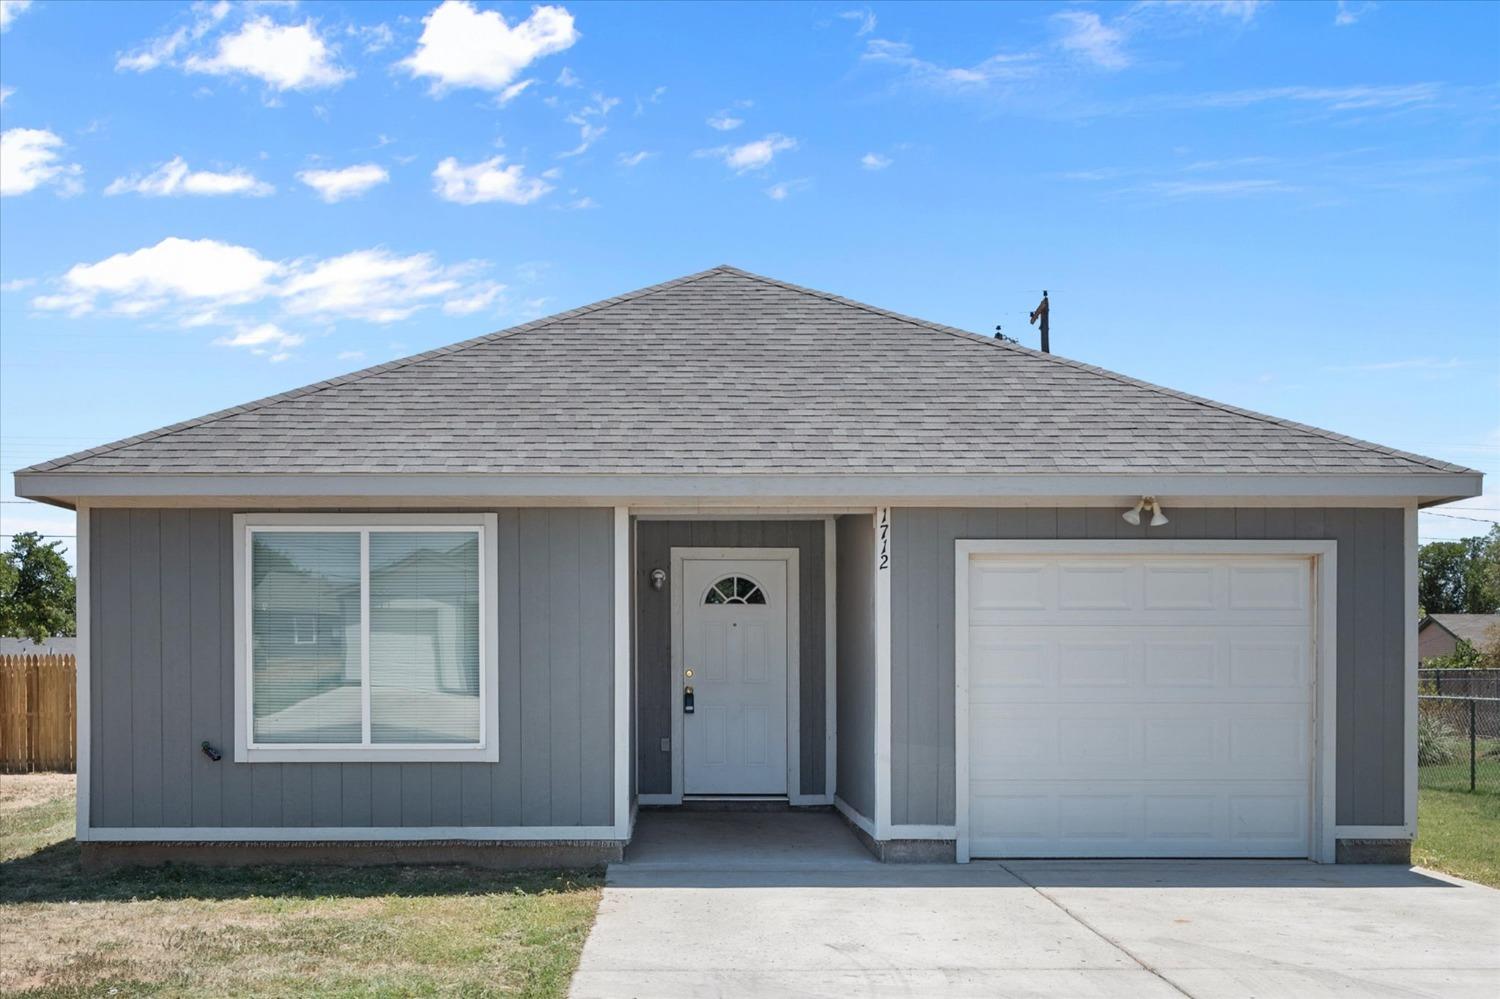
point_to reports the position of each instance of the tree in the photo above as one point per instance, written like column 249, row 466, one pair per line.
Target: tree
column 1460, row 577
column 36, row 590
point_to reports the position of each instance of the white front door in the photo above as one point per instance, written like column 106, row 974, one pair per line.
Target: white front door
column 734, row 644
column 1140, row 706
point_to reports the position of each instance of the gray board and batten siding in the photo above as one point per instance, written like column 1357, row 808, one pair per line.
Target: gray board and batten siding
column 1371, row 622
column 161, row 678
column 855, row 677
column 655, row 700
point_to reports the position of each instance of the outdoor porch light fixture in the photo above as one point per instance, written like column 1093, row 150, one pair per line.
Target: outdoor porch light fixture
column 1133, row 515
column 658, row 578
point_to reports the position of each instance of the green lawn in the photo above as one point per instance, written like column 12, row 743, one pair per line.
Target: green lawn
column 271, row 931
column 1459, row 833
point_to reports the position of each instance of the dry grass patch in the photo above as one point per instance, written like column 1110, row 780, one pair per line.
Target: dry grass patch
column 278, row 931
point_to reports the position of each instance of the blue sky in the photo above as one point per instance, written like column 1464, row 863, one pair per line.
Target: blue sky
column 1293, row 207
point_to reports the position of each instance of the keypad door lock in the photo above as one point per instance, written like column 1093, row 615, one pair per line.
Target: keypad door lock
column 687, row 700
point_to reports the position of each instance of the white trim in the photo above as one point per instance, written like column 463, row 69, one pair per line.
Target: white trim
column 1409, row 606
column 357, row 834
column 830, row 655
column 883, row 543
column 1371, row 832
column 849, row 812
column 805, row 800
column 1324, row 556
column 746, row 489
column 622, row 574
column 937, row 832
column 83, row 701
column 658, row 799
column 792, row 558
column 486, row 750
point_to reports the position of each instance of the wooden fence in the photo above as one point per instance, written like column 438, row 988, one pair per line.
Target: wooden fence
column 38, row 711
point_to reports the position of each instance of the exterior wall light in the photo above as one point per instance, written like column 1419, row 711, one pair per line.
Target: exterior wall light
column 658, row 578
column 1133, row 515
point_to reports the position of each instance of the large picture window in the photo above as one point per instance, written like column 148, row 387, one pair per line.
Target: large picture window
column 365, row 638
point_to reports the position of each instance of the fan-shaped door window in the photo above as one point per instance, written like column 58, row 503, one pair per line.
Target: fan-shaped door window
column 735, row 590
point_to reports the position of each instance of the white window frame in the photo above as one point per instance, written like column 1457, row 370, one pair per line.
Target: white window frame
column 486, row 750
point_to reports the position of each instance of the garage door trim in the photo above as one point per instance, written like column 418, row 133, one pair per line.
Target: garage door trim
column 1324, row 568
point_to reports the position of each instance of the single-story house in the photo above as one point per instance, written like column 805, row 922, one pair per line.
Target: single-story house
column 1439, row 634
column 57, row 645
column 730, row 538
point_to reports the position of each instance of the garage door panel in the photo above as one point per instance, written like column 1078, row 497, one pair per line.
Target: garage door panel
column 1123, row 818
column 1186, row 663
column 1140, row 707
column 1169, row 741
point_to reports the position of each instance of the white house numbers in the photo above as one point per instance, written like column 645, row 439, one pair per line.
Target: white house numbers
column 884, row 531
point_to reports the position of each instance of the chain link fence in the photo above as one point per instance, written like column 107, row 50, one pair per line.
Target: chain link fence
column 1458, row 743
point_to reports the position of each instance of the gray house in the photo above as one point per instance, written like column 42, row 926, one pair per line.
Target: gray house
column 726, row 537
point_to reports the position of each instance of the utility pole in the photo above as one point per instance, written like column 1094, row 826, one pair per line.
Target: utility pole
column 1040, row 312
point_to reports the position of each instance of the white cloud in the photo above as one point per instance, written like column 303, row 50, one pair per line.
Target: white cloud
column 175, row 178
column 477, row 298
column 1350, row 12
column 1218, row 188
column 866, row 18
column 635, row 159
column 465, row 47
column 285, row 56
column 781, row 190
column 513, row 91
column 999, row 67
column 5, row 93
column 724, row 121
column 373, row 37
column 1243, row 11
column 205, row 282
column 164, row 49
column 486, row 180
column 874, row 161
column 175, row 268
column 266, row 340
column 30, row 157
column 755, row 155
column 375, row 285
column 568, row 78
column 346, row 182
column 1084, row 34
column 17, row 284
column 1379, row 97
column 350, row 355
column 9, row 10
column 589, row 121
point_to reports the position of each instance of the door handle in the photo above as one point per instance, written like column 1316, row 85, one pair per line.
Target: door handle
column 687, row 700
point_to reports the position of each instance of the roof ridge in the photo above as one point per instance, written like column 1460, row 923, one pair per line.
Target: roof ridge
column 303, row 391
column 1332, row 435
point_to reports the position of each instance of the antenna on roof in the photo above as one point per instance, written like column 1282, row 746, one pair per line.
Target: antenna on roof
column 1040, row 312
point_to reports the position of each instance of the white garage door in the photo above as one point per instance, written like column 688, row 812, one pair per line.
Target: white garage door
column 1131, row 706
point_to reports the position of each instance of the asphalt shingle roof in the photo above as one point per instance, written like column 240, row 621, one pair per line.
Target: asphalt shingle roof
column 1476, row 629
column 726, row 371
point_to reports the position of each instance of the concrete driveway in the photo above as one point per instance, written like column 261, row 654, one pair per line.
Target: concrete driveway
column 790, row 905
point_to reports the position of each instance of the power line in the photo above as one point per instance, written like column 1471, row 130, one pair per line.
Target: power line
column 1454, row 516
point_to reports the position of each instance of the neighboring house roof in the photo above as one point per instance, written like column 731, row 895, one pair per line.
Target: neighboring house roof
column 726, row 371
column 1475, row 629
column 56, row 646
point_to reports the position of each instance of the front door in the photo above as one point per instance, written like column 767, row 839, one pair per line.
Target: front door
column 734, row 644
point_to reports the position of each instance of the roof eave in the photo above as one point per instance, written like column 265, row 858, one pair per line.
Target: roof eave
column 68, row 489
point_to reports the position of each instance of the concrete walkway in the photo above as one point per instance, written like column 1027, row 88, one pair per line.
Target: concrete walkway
column 790, row 905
